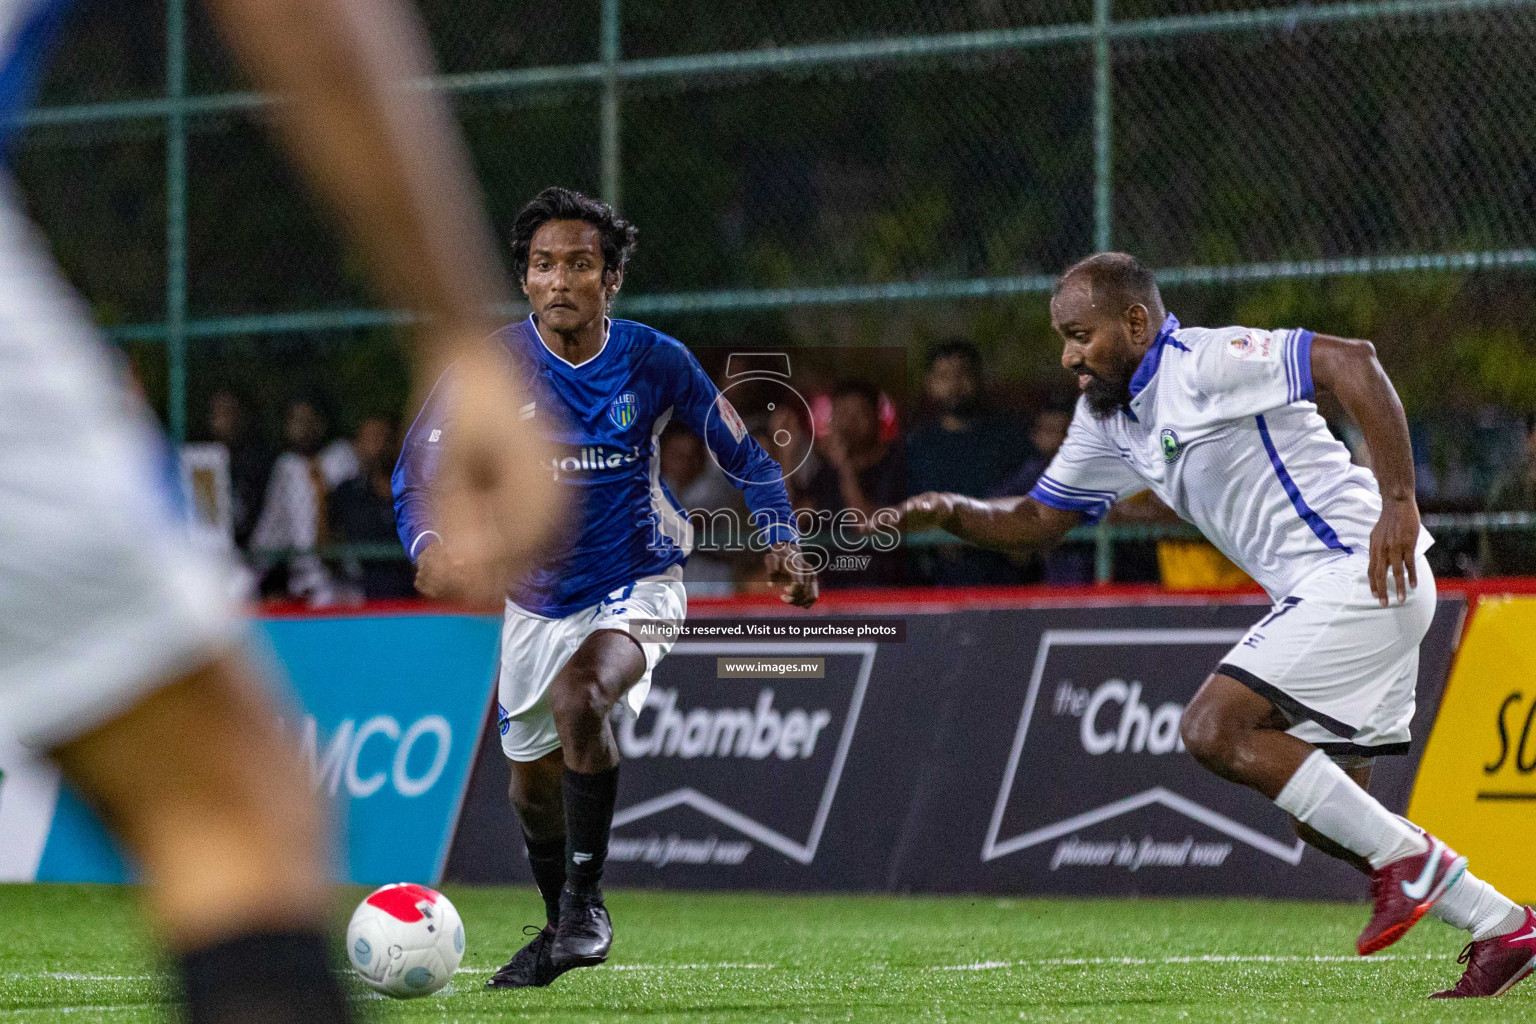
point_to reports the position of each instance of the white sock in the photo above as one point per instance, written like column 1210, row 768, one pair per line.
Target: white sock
column 1473, row 905
column 1321, row 795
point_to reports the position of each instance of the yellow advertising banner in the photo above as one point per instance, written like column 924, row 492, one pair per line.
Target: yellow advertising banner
column 1476, row 787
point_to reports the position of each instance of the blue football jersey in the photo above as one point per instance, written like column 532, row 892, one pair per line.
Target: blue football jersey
column 604, row 417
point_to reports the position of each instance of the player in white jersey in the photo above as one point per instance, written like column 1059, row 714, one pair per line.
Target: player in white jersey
column 1221, row 425
column 120, row 651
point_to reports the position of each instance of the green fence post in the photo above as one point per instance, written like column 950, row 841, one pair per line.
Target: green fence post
column 176, row 218
column 1103, row 553
column 610, row 125
column 1103, row 207
column 1102, row 158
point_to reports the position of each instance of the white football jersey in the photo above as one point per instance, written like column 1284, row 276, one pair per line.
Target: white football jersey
column 1223, row 428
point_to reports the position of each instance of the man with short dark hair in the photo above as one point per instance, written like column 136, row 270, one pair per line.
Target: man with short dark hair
column 967, row 449
column 1221, row 424
column 602, row 390
column 362, row 511
column 229, row 424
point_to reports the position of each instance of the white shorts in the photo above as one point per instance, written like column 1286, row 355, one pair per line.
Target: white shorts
column 102, row 598
column 1341, row 668
column 534, row 649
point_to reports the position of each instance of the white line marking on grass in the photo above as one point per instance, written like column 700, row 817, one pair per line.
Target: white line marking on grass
column 75, row 976
column 653, row 967
column 1204, row 958
column 51, row 1010
column 690, row 967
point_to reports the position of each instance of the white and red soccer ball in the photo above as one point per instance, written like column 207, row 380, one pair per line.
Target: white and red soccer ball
column 405, row 940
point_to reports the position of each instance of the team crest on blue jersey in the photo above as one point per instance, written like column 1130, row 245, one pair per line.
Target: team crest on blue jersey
column 1170, row 443
column 624, row 410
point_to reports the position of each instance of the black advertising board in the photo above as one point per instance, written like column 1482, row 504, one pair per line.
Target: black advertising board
column 1003, row 751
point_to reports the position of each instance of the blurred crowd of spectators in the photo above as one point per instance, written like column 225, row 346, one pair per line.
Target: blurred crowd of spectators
column 312, row 490
column 291, row 503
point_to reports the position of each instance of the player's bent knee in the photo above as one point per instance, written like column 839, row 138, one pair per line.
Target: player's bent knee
column 579, row 702
column 1206, row 734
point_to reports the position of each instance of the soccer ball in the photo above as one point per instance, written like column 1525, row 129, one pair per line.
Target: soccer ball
column 405, row 940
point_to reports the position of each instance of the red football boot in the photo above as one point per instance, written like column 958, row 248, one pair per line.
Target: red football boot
column 1495, row 965
column 1404, row 890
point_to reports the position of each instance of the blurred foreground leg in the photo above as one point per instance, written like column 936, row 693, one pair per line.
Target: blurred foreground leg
column 199, row 784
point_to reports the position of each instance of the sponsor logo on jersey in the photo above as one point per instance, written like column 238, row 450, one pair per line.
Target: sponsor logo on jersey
column 1253, row 345
column 623, row 410
column 730, row 418
column 1170, row 444
column 434, row 437
column 590, row 458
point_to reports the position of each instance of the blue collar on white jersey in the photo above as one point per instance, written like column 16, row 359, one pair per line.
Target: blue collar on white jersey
column 1154, row 357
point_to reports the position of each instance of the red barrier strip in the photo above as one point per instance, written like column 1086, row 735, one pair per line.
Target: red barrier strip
column 914, row 600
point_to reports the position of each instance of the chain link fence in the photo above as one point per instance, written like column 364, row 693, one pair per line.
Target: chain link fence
column 869, row 172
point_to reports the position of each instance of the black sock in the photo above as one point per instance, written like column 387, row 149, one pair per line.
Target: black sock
column 264, row 978
column 588, row 817
column 547, row 858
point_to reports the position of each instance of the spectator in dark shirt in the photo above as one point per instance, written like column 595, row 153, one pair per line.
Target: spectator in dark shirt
column 1062, row 565
column 860, row 473
column 966, row 449
column 362, row 511
column 1046, row 434
column 229, row 424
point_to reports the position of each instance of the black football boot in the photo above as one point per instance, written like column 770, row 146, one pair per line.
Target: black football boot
column 585, row 933
column 530, row 967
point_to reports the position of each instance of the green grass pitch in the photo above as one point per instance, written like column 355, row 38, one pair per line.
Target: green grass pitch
column 78, row 953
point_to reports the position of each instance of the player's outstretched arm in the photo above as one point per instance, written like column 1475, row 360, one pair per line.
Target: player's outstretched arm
column 385, row 155
column 1349, row 369
column 1005, row 524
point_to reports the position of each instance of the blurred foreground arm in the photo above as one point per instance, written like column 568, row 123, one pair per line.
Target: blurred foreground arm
column 1005, row 524
column 384, row 153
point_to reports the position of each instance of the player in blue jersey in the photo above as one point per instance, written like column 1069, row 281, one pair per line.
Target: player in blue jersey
column 602, row 391
column 121, row 650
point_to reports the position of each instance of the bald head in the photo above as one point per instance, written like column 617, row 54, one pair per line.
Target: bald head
column 1108, row 311
column 1115, row 281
